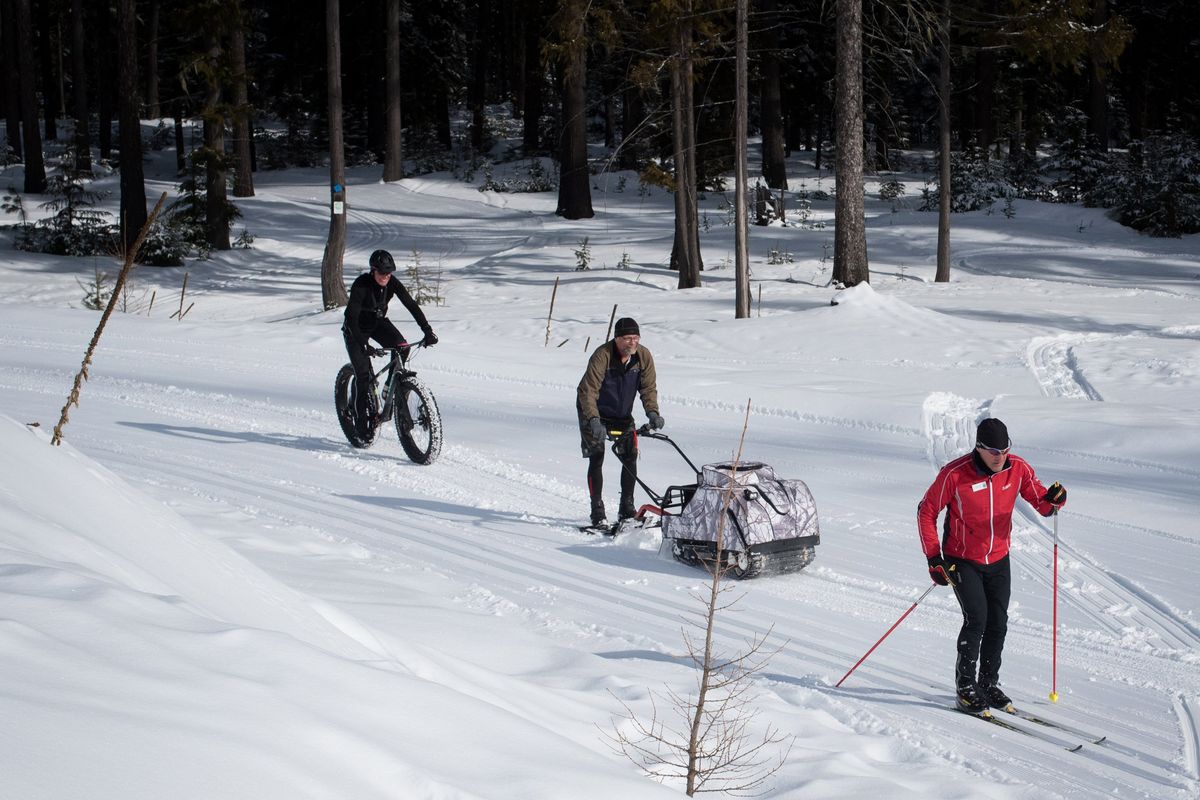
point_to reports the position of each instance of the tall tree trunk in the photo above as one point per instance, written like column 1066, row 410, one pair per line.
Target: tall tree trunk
column 35, row 165
column 441, row 114
column 533, row 81
column 685, row 252
column 1097, row 98
column 12, row 76
column 333, row 282
column 133, row 184
column 944, row 199
column 477, row 88
column 850, row 232
column 574, row 184
column 985, row 93
column 215, row 189
column 180, row 145
column 633, row 116
column 48, row 49
column 79, row 102
column 243, row 113
column 774, row 166
column 741, row 123
column 153, row 107
column 393, row 161
column 104, row 86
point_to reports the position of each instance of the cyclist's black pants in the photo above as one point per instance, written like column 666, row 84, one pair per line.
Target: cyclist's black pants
column 982, row 591
column 386, row 335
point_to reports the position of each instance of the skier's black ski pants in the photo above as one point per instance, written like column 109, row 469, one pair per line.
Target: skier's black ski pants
column 983, row 591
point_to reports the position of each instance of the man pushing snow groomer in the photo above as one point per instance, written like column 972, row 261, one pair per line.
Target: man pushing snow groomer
column 617, row 371
column 979, row 492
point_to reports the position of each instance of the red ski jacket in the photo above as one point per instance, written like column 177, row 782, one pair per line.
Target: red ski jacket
column 979, row 520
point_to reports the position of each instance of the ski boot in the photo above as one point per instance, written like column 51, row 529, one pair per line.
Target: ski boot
column 970, row 700
column 995, row 697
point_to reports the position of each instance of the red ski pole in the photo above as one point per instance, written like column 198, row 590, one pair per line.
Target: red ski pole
column 889, row 633
column 1054, row 635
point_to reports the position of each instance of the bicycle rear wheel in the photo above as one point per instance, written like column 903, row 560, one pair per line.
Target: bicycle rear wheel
column 359, row 436
column 418, row 422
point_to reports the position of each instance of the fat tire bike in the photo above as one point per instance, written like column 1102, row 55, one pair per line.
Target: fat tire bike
column 395, row 394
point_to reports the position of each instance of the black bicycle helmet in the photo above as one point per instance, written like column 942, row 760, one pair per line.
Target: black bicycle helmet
column 382, row 262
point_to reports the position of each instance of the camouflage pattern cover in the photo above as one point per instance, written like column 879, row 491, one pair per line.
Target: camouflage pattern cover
column 762, row 508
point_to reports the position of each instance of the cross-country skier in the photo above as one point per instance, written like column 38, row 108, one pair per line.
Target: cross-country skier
column 979, row 492
column 617, row 371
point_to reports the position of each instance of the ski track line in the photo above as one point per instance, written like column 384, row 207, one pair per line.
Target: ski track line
column 1185, row 711
column 1175, row 631
column 1054, row 366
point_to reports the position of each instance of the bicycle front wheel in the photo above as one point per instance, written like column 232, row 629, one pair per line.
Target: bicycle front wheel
column 359, row 436
column 418, row 422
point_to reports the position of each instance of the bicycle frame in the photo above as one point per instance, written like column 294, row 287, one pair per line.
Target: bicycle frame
column 396, row 370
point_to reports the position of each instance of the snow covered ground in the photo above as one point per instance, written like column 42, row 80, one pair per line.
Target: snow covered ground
column 206, row 593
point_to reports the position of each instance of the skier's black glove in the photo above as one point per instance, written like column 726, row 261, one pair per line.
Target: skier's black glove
column 430, row 338
column 656, row 420
column 595, row 429
column 1056, row 495
column 943, row 574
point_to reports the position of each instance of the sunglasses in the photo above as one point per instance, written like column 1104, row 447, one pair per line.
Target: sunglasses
column 994, row 450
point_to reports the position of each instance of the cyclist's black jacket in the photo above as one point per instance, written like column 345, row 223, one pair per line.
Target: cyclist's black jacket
column 369, row 304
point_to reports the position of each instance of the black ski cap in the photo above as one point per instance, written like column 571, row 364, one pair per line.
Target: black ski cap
column 627, row 326
column 992, row 433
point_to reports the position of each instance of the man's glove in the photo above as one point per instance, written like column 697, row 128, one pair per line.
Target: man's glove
column 375, row 351
column 1056, row 495
column 656, row 420
column 430, row 338
column 595, row 429
column 943, row 574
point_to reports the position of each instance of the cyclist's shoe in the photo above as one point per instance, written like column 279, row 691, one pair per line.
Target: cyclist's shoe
column 995, row 696
column 970, row 699
column 627, row 511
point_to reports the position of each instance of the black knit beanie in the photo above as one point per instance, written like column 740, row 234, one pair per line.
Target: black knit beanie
column 627, row 326
column 992, row 433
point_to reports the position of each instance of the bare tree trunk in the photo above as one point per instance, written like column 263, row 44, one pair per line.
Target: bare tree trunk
column 574, row 185
column 774, row 165
column 685, row 252
column 850, row 233
column 477, row 89
column 243, row 114
column 180, row 146
column 107, row 79
column 533, row 79
column 83, row 136
column 741, row 122
column 333, row 282
column 944, row 196
column 1097, row 99
column 215, row 189
column 153, row 108
column 393, row 163
column 48, row 67
column 12, row 76
column 133, row 184
column 35, row 165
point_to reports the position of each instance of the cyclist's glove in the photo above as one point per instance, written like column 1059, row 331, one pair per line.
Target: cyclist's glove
column 430, row 338
column 376, row 351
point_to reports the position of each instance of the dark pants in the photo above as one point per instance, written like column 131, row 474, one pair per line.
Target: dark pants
column 626, row 453
column 983, row 592
column 386, row 335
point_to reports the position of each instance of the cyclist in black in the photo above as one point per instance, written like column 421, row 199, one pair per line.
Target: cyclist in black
column 366, row 319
